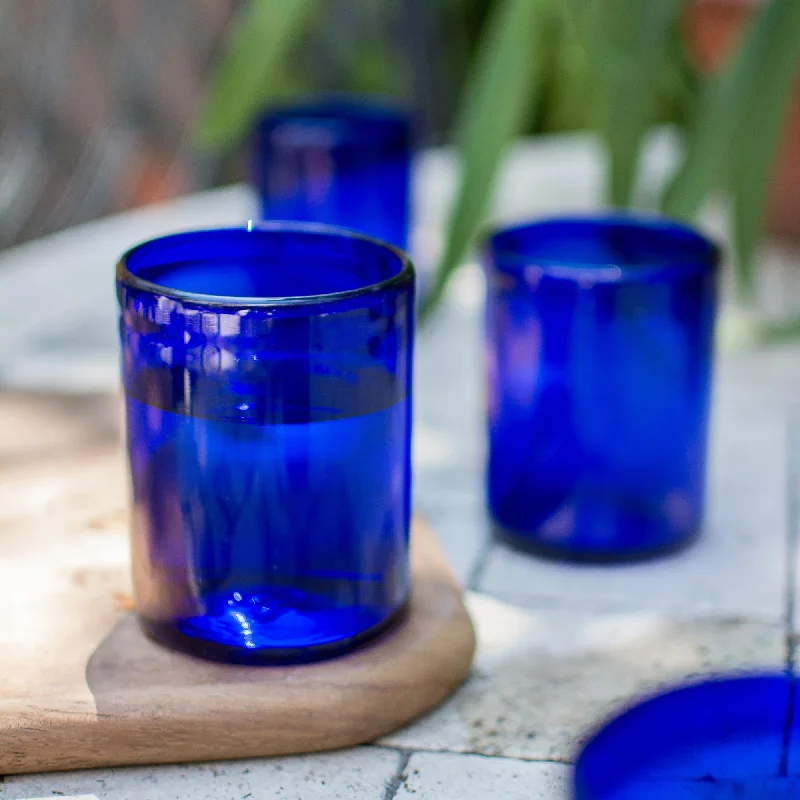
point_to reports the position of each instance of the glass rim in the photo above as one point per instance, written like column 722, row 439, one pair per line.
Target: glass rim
column 367, row 106
column 516, row 262
column 405, row 273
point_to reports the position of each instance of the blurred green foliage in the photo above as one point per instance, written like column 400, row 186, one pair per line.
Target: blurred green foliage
column 532, row 66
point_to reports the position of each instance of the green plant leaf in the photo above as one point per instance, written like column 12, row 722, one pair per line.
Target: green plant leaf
column 498, row 96
column 754, row 152
column 569, row 95
column 249, row 66
column 755, row 78
column 629, row 41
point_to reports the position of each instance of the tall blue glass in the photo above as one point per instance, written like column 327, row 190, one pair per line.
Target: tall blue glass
column 599, row 368
column 340, row 161
column 267, row 377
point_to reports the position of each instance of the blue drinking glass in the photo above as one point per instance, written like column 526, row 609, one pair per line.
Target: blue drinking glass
column 267, row 378
column 599, row 346
column 719, row 739
column 340, row 161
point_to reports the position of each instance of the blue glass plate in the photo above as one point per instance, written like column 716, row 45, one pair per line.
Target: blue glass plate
column 724, row 738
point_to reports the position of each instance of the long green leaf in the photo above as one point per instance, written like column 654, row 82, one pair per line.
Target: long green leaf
column 251, row 63
column 725, row 116
column 499, row 93
column 755, row 149
column 629, row 41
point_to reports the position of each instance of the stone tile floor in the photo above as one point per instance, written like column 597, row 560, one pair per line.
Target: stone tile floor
column 560, row 646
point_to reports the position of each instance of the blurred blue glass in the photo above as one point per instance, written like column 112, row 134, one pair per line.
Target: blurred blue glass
column 267, row 374
column 340, row 161
column 599, row 368
column 722, row 739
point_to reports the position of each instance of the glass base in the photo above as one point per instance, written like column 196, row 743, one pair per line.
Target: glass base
column 282, row 626
column 530, row 543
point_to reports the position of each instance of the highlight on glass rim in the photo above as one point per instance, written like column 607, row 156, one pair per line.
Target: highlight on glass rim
column 399, row 398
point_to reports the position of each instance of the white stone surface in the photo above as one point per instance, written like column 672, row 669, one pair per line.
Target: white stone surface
column 362, row 773
column 542, row 680
column 446, row 776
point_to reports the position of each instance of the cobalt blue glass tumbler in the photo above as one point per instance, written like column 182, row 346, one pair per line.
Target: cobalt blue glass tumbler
column 599, row 349
column 340, row 161
column 267, row 378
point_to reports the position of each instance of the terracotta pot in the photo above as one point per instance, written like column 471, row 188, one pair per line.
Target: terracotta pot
column 713, row 29
column 149, row 175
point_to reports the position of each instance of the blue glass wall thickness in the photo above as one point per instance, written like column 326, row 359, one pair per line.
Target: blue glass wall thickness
column 269, row 445
column 598, row 386
column 337, row 161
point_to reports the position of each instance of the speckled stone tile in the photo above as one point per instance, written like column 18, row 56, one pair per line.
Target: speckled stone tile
column 448, row 776
column 359, row 774
column 542, row 679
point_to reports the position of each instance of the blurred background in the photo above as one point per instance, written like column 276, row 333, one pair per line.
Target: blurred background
column 99, row 98
column 107, row 105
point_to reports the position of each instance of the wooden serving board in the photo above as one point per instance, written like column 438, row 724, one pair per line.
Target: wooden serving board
column 80, row 686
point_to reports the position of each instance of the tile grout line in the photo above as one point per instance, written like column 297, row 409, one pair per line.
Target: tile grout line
column 396, row 781
column 793, row 503
column 476, row 573
column 441, row 751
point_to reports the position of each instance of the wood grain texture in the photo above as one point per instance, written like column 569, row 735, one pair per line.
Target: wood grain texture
column 80, row 686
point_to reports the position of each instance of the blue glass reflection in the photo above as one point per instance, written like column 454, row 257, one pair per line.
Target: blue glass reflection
column 599, row 358
column 716, row 740
column 268, row 438
column 338, row 160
